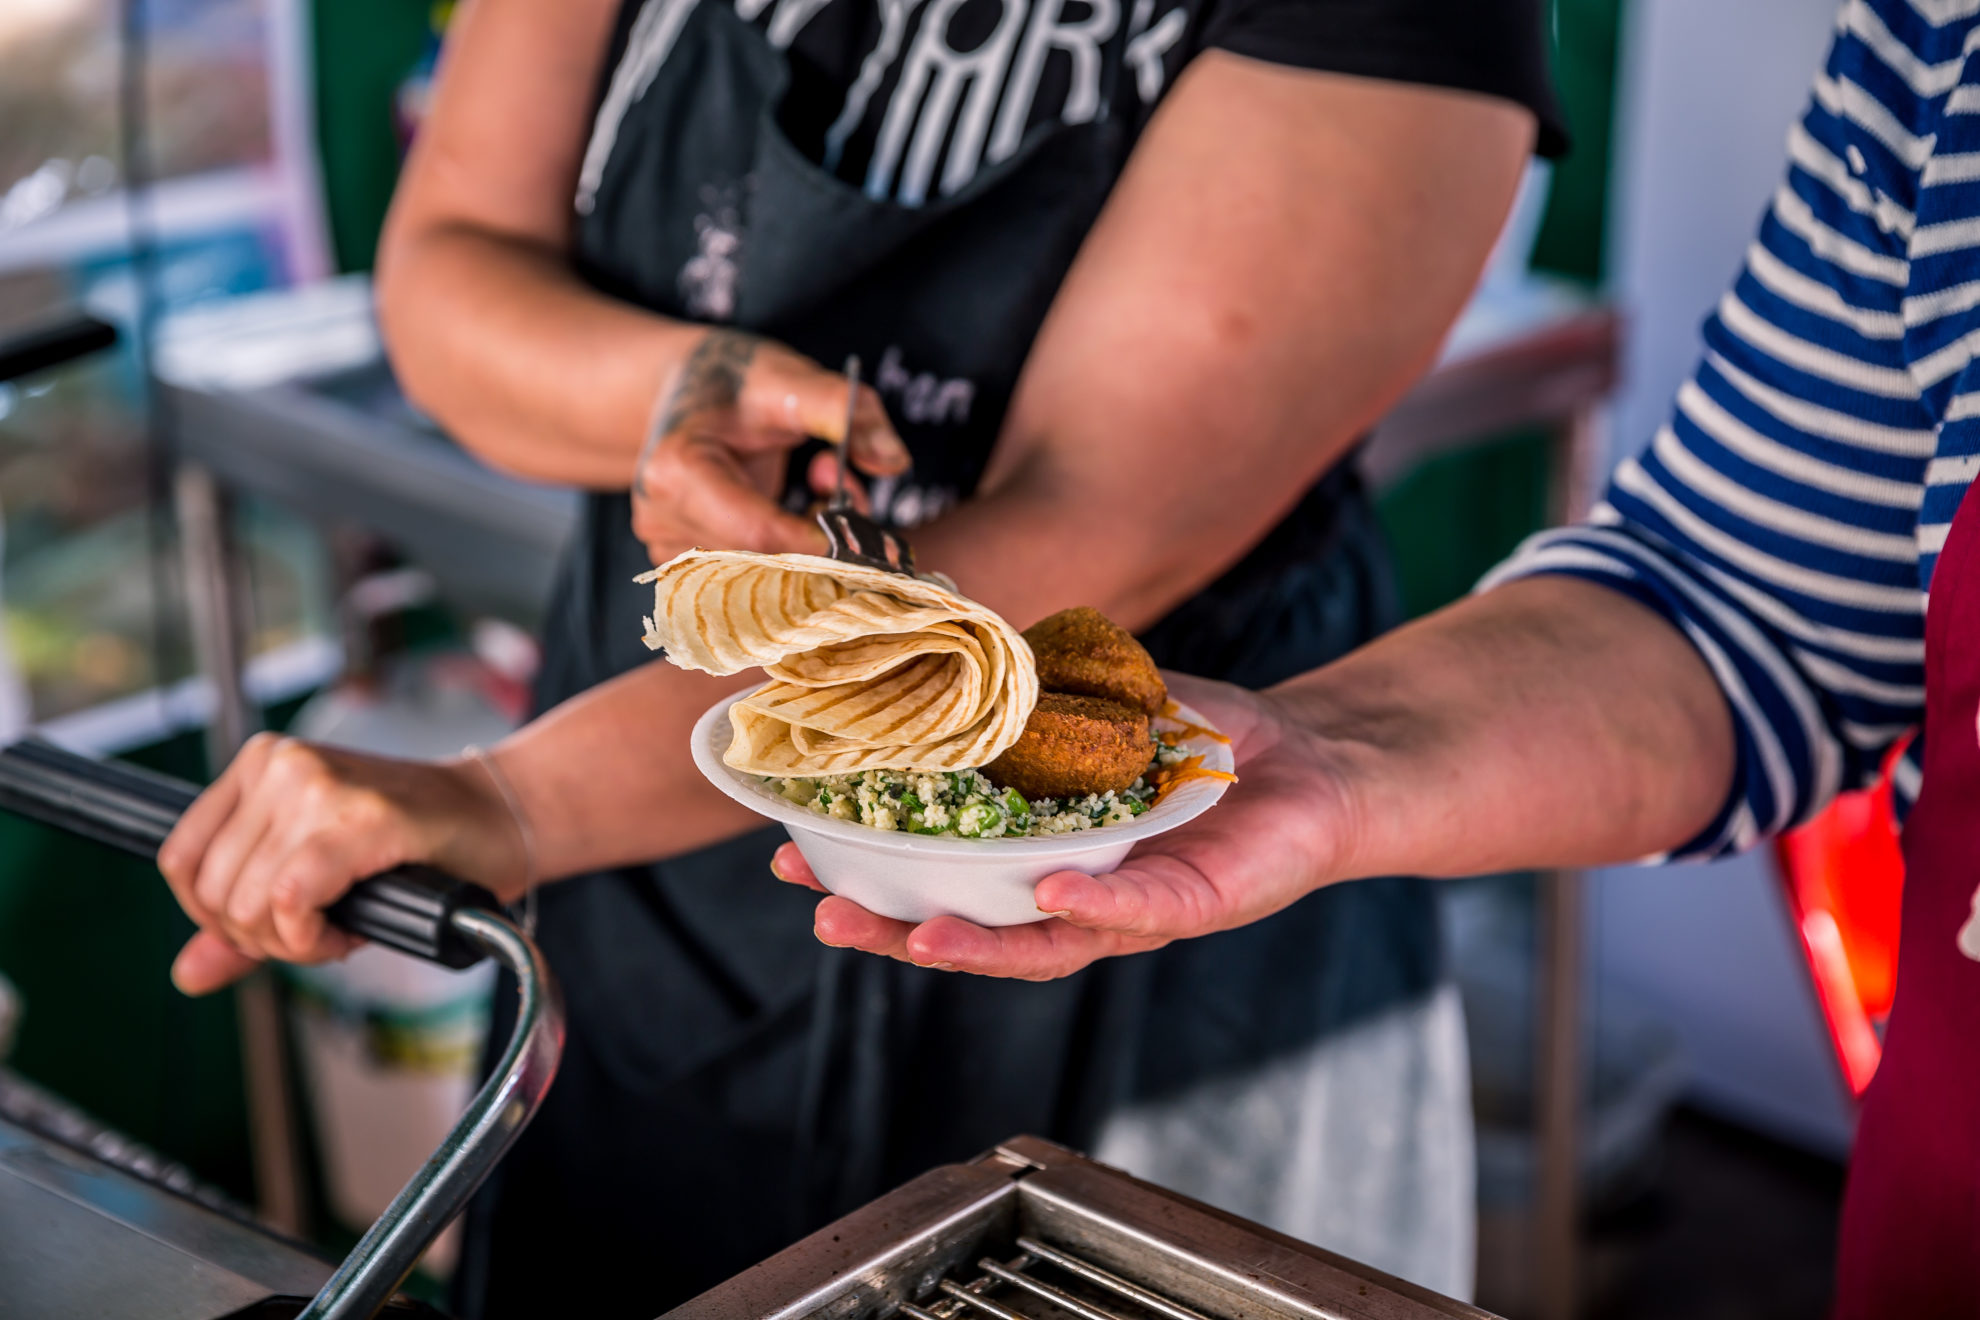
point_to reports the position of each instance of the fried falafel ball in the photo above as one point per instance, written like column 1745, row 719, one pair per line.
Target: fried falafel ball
column 1073, row 746
column 1083, row 652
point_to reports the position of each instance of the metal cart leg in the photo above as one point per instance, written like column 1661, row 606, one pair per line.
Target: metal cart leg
column 215, row 607
column 217, row 611
column 1576, row 457
column 1557, row 1097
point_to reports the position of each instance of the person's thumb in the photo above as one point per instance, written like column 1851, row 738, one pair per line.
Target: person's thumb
column 209, row 963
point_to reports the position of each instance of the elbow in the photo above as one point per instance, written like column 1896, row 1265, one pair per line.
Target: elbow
column 1152, row 594
column 1134, row 569
column 396, row 299
column 1152, row 577
column 411, row 304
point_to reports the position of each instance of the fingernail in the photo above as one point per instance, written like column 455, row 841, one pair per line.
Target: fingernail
column 884, row 447
column 179, row 984
column 779, row 874
column 1062, row 912
column 944, row 967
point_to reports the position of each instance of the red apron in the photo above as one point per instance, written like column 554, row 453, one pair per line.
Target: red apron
column 1910, row 1241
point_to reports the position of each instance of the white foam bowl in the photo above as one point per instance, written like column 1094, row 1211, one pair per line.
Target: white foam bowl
column 917, row 877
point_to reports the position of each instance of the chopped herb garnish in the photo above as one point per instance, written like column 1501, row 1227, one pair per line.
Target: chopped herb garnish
column 962, row 803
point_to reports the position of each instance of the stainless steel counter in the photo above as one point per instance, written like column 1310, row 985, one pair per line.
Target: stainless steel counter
column 347, row 448
column 79, row 1238
column 1033, row 1231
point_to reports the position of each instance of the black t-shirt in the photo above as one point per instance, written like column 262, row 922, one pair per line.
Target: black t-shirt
column 909, row 98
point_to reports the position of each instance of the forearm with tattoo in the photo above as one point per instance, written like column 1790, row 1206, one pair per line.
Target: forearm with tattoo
column 712, row 377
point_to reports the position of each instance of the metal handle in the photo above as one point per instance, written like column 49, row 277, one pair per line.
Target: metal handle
column 409, row 908
column 841, row 497
column 53, row 343
column 499, row 1112
column 416, row 910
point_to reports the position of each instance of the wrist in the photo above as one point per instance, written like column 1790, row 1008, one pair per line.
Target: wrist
column 1344, row 771
column 491, row 842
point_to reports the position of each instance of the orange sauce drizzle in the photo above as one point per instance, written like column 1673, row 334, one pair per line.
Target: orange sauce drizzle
column 1166, row 779
column 1174, row 736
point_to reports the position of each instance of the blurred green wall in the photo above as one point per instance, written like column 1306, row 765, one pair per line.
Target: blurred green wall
column 364, row 48
column 1458, row 516
column 1586, row 38
column 87, row 935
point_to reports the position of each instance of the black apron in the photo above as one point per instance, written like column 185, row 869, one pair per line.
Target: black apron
column 729, row 1084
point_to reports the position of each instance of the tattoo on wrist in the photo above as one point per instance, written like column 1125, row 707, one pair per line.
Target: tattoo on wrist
column 712, row 377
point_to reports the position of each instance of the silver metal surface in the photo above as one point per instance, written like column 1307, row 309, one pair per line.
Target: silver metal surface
column 973, row 1300
column 1017, row 1278
column 348, row 449
column 47, row 1116
column 81, row 1238
column 494, row 1119
column 951, row 1303
column 1112, row 1282
column 850, row 536
column 1557, row 1084
column 216, row 606
column 1033, row 1231
column 1202, row 1258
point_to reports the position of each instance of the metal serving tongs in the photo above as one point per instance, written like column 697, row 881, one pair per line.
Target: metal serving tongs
column 853, row 537
column 413, row 909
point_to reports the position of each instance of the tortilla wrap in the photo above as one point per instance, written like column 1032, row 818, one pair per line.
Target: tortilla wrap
column 868, row 670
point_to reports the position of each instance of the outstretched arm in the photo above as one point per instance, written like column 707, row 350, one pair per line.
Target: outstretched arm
column 1755, row 642
column 1548, row 723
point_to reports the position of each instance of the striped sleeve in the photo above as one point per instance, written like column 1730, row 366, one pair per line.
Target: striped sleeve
column 1774, row 518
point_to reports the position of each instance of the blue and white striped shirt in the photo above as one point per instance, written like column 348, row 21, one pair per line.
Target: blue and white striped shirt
column 1789, row 516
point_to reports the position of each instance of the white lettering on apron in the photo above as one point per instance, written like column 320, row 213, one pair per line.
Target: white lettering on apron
column 931, row 60
column 909, row 506
column 647, row 45
column 924, row 397
column 1081, row 40
column 710, row 279
column 790, row 19
column 894, row 16
column 1146, row 48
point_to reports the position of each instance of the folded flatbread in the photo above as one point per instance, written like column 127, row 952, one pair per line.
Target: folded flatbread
column 868, row 670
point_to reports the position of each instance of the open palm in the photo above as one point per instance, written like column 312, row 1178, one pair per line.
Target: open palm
column 1276, row 836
